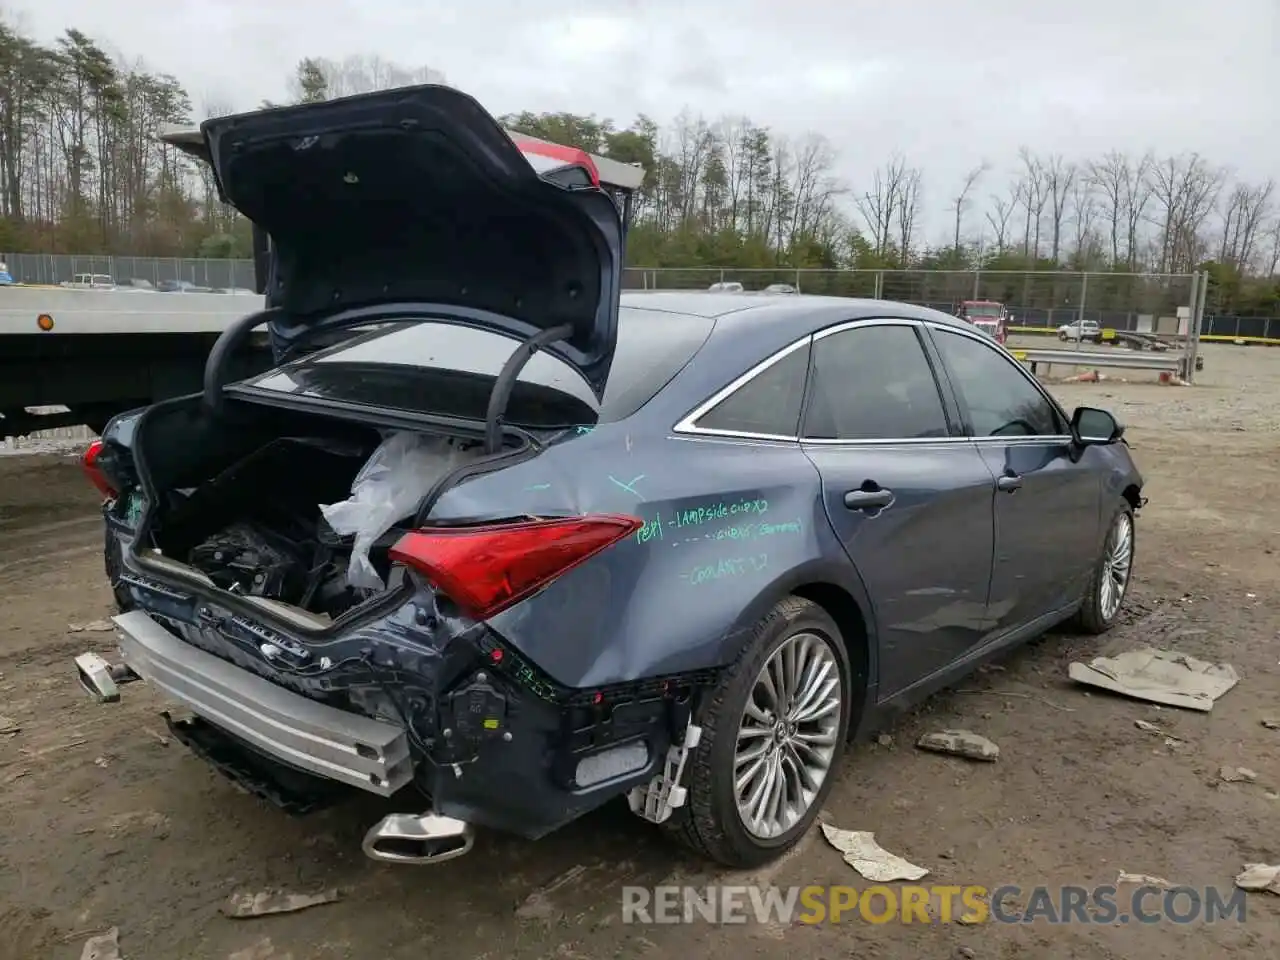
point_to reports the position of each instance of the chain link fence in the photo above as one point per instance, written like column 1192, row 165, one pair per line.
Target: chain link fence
column 154, row 272
column 1045, row 300
column 1037, row 301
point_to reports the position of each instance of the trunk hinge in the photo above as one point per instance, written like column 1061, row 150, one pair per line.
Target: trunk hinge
column 502, row 387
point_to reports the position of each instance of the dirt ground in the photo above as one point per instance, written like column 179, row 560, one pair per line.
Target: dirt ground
column 104, row 823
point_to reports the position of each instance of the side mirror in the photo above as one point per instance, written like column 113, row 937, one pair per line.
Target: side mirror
column 1093, row 427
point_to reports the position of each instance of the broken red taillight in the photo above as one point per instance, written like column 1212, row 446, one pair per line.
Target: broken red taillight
column 488, row 568
column 89, row 461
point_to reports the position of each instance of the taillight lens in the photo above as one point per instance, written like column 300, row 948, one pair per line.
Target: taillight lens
column 486, row 569
column 91, row 469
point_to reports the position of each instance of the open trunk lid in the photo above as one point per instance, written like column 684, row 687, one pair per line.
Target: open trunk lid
column 418, row 196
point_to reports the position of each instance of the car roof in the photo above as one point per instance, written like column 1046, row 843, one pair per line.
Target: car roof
column 761, row 309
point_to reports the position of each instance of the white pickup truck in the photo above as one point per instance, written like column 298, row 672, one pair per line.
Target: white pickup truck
column 1081, row 330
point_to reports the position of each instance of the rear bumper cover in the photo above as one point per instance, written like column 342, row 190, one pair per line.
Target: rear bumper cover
column 481, row 732
column 371, row 755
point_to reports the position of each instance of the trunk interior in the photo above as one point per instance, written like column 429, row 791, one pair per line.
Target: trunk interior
column 241, row 496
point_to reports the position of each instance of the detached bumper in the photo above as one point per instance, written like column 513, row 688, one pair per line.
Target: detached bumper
column 371, row 755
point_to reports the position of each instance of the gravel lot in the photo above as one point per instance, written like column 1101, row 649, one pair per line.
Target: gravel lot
column 104, row 823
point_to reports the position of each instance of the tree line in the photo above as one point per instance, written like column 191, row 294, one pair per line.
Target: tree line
column 81, row 171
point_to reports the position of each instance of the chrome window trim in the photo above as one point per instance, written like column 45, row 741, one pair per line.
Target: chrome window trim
column 688, row 429
column 866, row 322
column 688, row 424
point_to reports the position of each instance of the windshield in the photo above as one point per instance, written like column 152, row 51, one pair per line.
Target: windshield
column 444, row 368
column 983, row 311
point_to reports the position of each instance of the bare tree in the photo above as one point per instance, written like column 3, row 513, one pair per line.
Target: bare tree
column 879, row 205
column 908, row 210
column 1001, row 211
column 812, row 187
column 1185, row 189
column 733, row 133
column 1243, row 215
column 1273, row 257
column 1059, row 175
column 961, row 200
column 1084, row 212
column 1137, row 197
column 1033, row 196
column 1109, row 178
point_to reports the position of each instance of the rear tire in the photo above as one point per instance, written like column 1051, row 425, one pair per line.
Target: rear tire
column 793, row 751
column 1112, row 573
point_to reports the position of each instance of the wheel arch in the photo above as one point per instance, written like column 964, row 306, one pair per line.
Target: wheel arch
column 839, row 592
column 1133, row 494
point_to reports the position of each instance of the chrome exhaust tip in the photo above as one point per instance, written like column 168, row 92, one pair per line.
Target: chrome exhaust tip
column 418, row 838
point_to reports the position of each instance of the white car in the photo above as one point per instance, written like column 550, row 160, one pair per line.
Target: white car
column 1086, row 330
column 728, row 286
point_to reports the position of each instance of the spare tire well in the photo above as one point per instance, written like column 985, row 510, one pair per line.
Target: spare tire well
column 844, row 610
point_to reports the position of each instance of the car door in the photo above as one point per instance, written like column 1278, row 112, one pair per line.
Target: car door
column 1048, row 503
column 910, row 501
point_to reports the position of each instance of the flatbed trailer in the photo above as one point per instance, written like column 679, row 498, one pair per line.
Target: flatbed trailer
column 101, row 352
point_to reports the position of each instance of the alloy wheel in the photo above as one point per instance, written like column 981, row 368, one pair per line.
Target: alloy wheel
column 787, row 735
column 1117, row 562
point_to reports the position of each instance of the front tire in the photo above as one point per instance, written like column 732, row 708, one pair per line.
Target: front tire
column 773, row 733
column 1062, row 336
column 1109, row 584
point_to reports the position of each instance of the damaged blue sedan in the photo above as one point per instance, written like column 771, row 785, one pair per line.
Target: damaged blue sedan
column 497, row 542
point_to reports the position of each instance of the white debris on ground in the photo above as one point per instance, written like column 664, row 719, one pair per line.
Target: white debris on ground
column 264, row 949
column 872, row 861
column 1237, row 775
column 1143, row 880
column 93, row 626
column 104, row 946
column 1158, row 676
column 1261, row 877
column 67, row 440
column 242, row 905
column 1148, row 727
column 960, row 743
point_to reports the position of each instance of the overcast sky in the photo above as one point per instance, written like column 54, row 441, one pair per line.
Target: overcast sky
column 946, row 83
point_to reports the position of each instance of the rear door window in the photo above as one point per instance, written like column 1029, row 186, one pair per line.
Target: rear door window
column 873, row 382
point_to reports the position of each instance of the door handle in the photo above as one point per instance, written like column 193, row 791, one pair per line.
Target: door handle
column 864, row 499
column 1009, row 483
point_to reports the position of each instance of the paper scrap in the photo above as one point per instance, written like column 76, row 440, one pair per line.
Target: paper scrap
column 104, row 946
column 871, row 860
column 1158, row 676
column 267, row 902
column 1260, row 876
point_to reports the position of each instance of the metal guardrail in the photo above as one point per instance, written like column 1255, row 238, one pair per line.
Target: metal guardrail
column 1124, row 359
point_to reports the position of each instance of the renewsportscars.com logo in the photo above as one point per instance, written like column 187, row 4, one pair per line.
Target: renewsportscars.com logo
column 937, row 903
